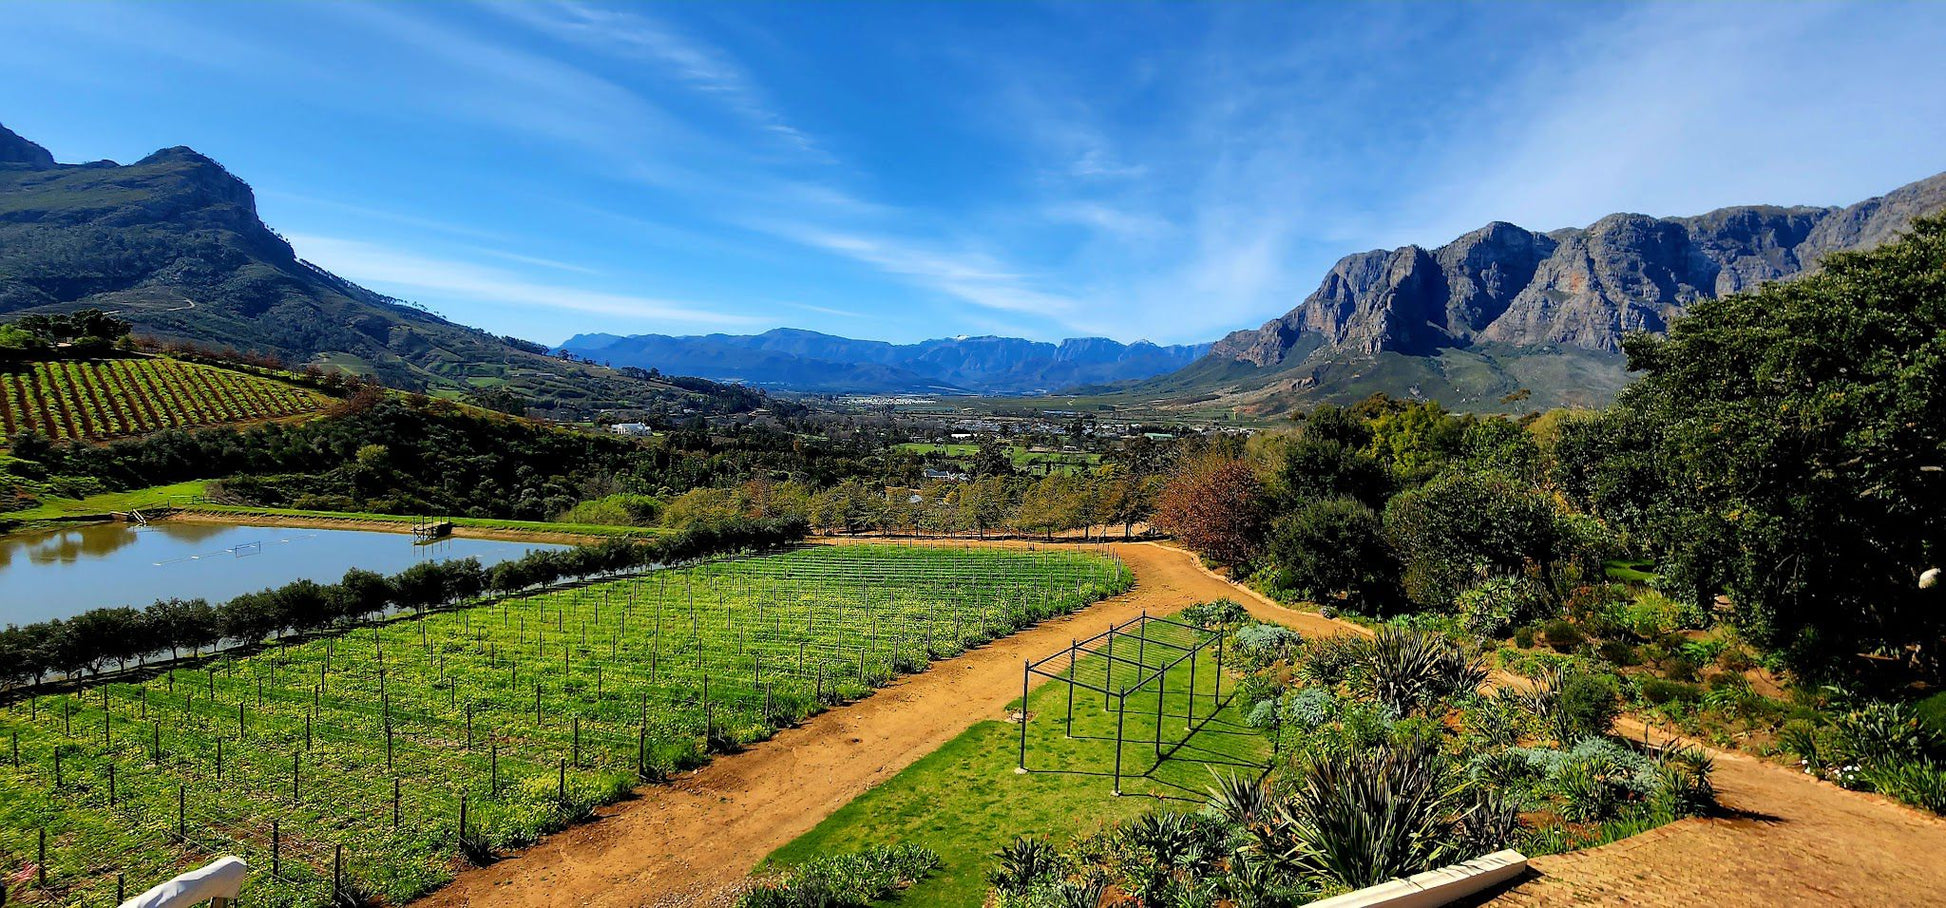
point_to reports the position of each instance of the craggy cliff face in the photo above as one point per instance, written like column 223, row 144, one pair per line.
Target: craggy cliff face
column 1582, row 288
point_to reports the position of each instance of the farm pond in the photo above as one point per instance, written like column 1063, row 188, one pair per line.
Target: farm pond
column 66, row 571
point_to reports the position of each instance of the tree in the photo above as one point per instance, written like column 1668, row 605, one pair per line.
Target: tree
column 1052, row 504
column 1333, row 547
column 1215, row 505
column 984, row 503
column 1314, row 469
column 1786, row 447
column 1463, row 525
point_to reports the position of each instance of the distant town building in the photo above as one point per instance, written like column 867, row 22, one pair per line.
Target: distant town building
column 631, row 428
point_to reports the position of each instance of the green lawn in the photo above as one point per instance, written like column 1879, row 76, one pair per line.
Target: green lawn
column 157, row 496
column 965, row 800
column 1629, row 571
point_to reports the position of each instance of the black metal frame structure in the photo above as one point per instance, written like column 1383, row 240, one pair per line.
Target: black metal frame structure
column 1115, row 696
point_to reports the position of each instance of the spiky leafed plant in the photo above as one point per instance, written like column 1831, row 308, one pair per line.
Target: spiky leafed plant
column 1022, row 863
column 1488, row 820
column 1083, row 893
column 1366, row 817
column 1243, row 801
column 1415, row 671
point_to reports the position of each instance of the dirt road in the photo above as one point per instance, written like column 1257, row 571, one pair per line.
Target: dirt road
column 690, row 842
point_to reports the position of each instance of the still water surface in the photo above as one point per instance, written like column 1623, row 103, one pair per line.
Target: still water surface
column 63, row 572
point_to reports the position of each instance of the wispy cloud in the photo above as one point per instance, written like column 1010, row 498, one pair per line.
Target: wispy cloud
column 825, row 310
column 635, row 36
column 972, row 277
column 389, row 268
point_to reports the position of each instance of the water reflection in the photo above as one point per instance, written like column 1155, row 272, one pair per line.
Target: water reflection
column 61, row 572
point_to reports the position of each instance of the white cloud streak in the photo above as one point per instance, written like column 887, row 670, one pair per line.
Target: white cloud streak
column 387, row 268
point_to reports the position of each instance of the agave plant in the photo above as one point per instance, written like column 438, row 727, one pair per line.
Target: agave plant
column 1415, row 671
column 1366, row 817
column 1023, row 863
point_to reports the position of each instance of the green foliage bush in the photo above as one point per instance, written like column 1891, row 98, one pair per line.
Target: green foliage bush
column 851, row 880
column 1661, row 691
column 1562, row 636
column 1336, row 547
column 1262, row 643
column 1462, row 523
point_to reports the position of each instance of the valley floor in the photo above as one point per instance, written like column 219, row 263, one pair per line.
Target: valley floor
column 1783, row 838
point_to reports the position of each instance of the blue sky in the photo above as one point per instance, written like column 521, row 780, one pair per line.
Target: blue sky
column 902, row 171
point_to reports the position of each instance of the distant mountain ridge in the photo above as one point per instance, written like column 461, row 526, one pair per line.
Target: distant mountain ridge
column 1503, row 309
column 173, row 243
column 801, row 360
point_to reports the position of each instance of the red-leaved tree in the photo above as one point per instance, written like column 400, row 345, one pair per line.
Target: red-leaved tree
column 1215, row 505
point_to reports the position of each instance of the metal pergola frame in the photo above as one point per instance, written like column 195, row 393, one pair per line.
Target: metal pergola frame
column 1114, row 696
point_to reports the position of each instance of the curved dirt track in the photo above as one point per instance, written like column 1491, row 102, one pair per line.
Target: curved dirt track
column 691, row 842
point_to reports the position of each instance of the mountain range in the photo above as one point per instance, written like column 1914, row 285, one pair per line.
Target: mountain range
column 1502, row 318
column 1506, row 312
column 173, row 243
column 809, row 361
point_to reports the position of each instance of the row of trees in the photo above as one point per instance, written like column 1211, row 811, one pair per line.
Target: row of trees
column 86, row 643
column 1104, row 496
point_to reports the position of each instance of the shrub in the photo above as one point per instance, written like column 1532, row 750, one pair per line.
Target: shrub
column 1417, row 671
column 1023, row 864
column 1919, row 783
column 1883, row 733
column 1330, row 660
column 1336, row 547
column 847, row 880
column 1618, row 652
column 1524, row 637
column 1490, row 608
column 1588, row 706
column 1659, row 691
column 1561, row 635
column 1362, row 818
column 1221, row 613
column 1266, row 643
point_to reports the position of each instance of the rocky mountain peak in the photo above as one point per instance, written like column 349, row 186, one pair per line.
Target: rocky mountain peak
column 18, row 151
column 1580, row 287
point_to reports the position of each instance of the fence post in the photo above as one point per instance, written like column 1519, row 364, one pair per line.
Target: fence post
column 1161, row 694
column 1025, row 672
column 276, row 848
column 1121, row 712
column 1191, row 723
column 1072, row 646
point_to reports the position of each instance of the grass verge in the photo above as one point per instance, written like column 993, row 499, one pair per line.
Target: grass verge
column 965, row 800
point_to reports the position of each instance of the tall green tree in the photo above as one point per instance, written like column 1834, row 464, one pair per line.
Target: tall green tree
column 1785, row 447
